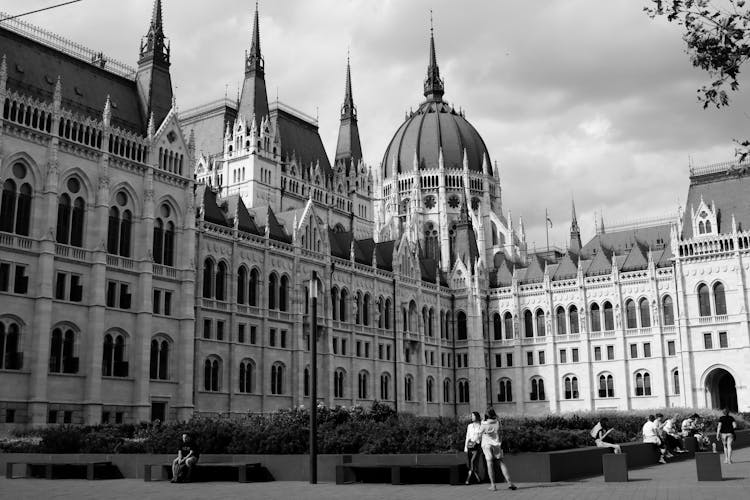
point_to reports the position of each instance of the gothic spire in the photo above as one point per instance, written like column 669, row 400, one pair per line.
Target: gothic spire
column 348, row 146
column 433, row 84
column 573, row 218
column 254, row 98
column 575, row 232
column 153, row 45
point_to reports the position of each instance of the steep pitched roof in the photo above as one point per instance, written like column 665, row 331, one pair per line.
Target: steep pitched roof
column 300, row 139
column 340, row 243
column 621, row 241
column 235, row 205
column 636, row 258
column 211, row 211
column 384, row 254
column 33, row 69
column 728, row 190
column 264, row 217
column 503, row 275
column 535, row 270
column 567, row 268
column 428, row 268
column 601, row 263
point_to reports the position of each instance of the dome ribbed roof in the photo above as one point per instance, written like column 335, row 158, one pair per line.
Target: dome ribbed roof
column 433, row 126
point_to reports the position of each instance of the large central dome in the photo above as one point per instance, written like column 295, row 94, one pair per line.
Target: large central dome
column 435, row 126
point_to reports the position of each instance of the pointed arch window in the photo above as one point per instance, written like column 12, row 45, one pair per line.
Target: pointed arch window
column 645, row 312
column 528, row 323
column 385, row 383
column 428, row 389
column 447, row 390
column 62, row 357
column 497, row 327
column 363, row 381
column 667, row 310
column 120, row 223
column 253, row 287
column 277, row 378
column 241, row 284
column 15, row 205
column 676, row 381
column 208, row 278
column 606, row 386
column 720, row 301
column 462, row 331
column 571, row 387
column 560, row 320
column 631, row 317
column 704, row 300
column 463, row 391
column 537, row 389
column 272, row 286
column 508, row 325
column 505, row 391
column 164, row 236
column 343, row 310
column 609, row 317
column 10, row 356
column 540, row 330
column 642, row 383
column 408, row 385
column 338, row 383
column 221, row 281
column 159, row 359
column 211, row 374
column 247, row 376
column 596, row 320
column 573, row 319
column 113, row 356
column 284, row 293
column 387, row 318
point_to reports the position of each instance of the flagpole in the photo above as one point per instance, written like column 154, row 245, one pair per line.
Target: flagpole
column 546, row 227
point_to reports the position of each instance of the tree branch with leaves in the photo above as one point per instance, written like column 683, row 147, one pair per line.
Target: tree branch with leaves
column 717, row 35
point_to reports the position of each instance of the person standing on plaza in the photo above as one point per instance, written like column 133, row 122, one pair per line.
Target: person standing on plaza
column 725, row 433
column 650, row 435
column 187, row 456
column 473, row 445
column 491, row 447
column 601, row 432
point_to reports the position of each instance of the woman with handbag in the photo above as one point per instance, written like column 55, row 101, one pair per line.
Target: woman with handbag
column 472, row 446
column 491, row 446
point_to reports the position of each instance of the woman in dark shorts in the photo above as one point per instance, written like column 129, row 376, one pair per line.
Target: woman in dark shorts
column 725, row 432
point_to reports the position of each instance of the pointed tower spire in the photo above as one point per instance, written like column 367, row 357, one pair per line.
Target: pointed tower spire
column 575, row 231
column 433, row 84
column 153, row 78
column 348, row 146
column 254, row 98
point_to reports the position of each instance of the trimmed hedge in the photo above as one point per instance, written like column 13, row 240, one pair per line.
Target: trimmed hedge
column 377, row 430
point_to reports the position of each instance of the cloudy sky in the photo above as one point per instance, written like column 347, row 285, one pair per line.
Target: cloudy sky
column 574, row 98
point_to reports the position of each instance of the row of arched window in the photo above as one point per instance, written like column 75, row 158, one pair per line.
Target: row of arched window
column 213, row 372
column 707, row 306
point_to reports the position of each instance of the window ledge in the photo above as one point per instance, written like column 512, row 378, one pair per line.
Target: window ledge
column 162, row 381
column 59, row 374
column 21, row 371
column 112, row 377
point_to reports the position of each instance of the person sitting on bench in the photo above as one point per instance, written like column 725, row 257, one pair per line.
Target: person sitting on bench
column 650, row 435
column 601, row 432
column 187, row 456
column 671, row 436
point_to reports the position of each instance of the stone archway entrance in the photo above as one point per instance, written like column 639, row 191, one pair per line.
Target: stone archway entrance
column 721, row 390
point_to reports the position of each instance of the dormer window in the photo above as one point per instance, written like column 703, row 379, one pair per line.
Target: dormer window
column 704, row 219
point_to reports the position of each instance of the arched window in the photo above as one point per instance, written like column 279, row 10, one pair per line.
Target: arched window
column 609, row 317
column 338, row 383
column 211, row 374
column 505, row 391
column 343, row 310
column 362, row 383
column 497, row 327
column 385, row 383
column 642, row 383
column 540, row 331
column 284, row 293
column 462, row 333
column 463, row 391
column 10, row 336
column 208, row 278
column 120, row 222
column 277, row 378
column 430, row 322
column 704, row 300
column 631, row 319
column 596, row 320
column 560, row 321
column 447, row 390
column 159, row 359
column 247, row 376
column 252, row 287
column 163, row 245
column 113, row 356
column 508, row 325
column 62, row 357
column 241, row 284
column 645, row 313
column 573, row 319
column 428, row 389
column 408, row 385
column 571, row 387
column 334, row 303
column 528, row 324
column 221, row 281
column 537, row 389
column 366, row 309
column 606, row 386
column 676, row 381
column 272, row 286
column 15, row 206
column 306, row 382
column 667, row 310
column 720, row 301
column 358, row 308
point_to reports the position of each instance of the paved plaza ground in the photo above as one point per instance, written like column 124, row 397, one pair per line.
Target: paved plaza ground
column 674, row 481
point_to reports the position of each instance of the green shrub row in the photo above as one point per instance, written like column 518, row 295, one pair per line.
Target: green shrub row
column 377, row 430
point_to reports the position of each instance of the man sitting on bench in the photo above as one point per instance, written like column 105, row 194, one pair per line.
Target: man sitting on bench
column 187, row 456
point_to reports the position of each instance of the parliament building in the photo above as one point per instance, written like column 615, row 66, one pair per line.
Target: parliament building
column 157, row 263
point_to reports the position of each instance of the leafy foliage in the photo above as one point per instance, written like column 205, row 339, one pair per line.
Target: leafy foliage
column 717, row 35
column 377, row 430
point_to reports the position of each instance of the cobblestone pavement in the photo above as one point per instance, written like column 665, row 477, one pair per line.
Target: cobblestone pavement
column 664, row 482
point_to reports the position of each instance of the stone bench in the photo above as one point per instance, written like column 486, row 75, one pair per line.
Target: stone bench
column 401, row 473
column 213, row 471
column 49, row 470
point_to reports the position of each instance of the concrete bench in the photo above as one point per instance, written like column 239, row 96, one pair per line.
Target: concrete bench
column 213, row 471
column 49, row 470
column 401, row 473
column 707, row 466
column 615, row 467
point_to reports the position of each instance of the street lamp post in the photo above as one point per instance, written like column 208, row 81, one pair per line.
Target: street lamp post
column 314, row 377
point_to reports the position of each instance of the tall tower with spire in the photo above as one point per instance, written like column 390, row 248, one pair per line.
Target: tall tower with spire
column 254, row 98
column 433, row 84
column 348, row 146
column 152, row 77
column 575, row 231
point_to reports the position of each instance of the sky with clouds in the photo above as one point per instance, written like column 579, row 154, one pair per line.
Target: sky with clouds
column 575, row 98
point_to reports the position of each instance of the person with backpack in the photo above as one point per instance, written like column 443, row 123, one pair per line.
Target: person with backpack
column 601, row 432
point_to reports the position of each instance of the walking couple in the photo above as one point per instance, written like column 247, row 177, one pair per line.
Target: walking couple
column 483, row 436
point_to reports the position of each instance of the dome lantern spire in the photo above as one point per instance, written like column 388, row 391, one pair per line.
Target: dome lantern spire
column 433, row 84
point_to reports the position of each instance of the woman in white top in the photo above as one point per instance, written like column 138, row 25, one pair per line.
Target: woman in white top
column 472, row 446
column 491, row 446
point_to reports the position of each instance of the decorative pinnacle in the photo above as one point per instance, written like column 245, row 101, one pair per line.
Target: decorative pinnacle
column 433, row 84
